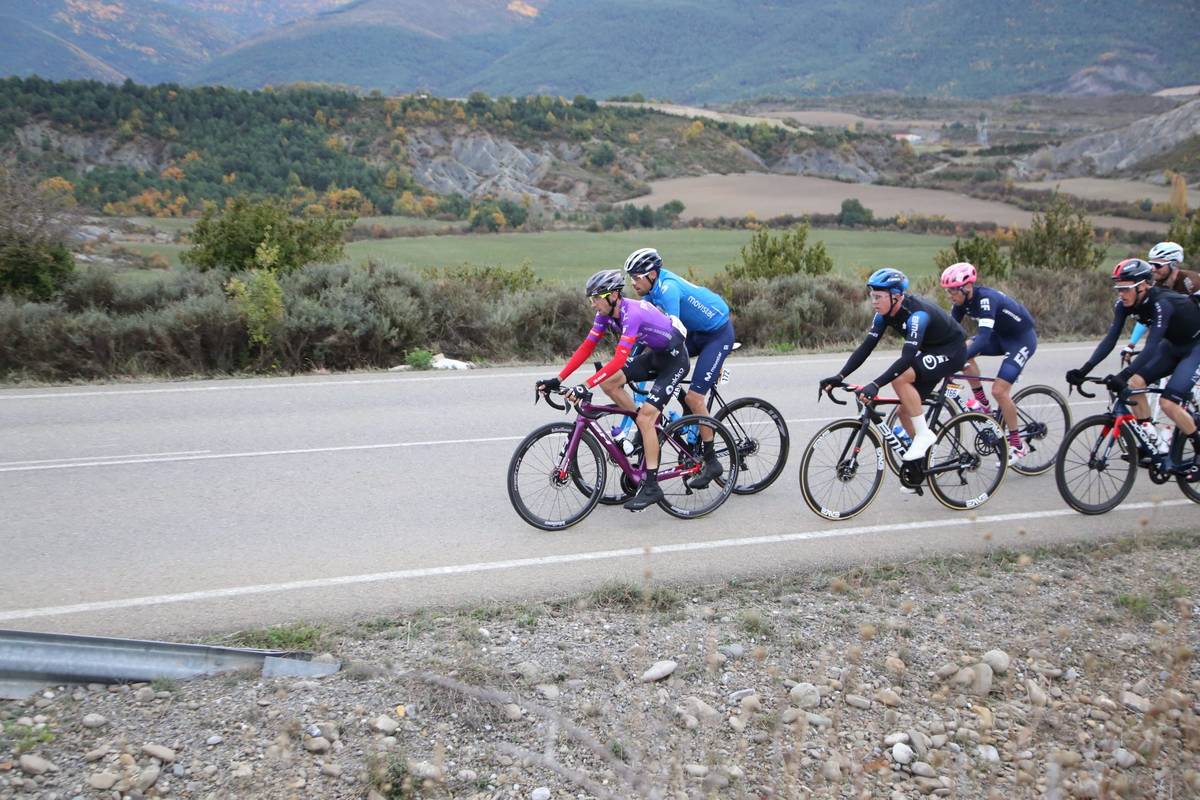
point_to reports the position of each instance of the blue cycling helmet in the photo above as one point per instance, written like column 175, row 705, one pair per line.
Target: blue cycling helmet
column 888, row 280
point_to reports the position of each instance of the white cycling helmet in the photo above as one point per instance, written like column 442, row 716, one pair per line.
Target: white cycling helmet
column 1165, row 253
column 642, row 261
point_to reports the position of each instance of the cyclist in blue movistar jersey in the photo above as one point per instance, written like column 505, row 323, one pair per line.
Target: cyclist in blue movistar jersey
column 1005, row 329
column 934, row 347
column 708, row 329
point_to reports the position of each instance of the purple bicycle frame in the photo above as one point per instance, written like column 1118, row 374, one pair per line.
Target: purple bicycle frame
column 588, row 418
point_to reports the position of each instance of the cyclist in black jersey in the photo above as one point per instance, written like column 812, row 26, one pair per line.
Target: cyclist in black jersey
column 934, row 347
column 1172, row 348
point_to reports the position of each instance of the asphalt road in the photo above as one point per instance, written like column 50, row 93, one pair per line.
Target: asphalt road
column 183, row 508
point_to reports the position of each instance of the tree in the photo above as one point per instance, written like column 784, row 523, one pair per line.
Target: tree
column 1061, row 238
column 771, row 256
column 231, row 238
column 34, row 260
column 1185, row 230
column 982, row 252
column 854, row 213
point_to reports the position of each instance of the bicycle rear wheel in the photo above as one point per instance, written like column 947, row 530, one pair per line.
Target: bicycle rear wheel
column 1184, row 452
column 1043, row 419
column 680, row 450
column 546, row 494
column 974, row 445
column 761, row 436
column 1095, row 469
column 837, row 481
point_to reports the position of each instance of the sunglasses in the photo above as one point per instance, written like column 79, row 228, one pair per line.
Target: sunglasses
column 1129, row 288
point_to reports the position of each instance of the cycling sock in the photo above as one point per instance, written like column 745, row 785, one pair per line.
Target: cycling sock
column 651, row 475
column 980, row 396
column 1014, row 439
column 918, row 424
column 709, row 450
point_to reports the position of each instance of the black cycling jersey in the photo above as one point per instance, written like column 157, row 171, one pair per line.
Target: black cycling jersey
column 997, row 313
column 926, row 328
column 1170, row 316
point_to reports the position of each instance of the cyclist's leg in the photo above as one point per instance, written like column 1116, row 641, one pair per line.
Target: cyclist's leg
column 712, row 349
column 1161, row 364
column 917, row 383
column 1016, row 355
column 1179, row 389
column 996, row 347
column 667, row 369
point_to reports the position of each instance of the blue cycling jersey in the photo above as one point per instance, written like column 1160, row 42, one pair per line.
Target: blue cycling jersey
column 996, row 313
column 700, row 310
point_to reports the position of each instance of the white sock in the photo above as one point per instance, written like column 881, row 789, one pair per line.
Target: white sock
column 918, row 424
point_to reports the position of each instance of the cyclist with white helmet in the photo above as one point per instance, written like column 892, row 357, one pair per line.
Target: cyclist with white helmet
column 1165, row 259
column 934, row 347
column 1006, row 329
column 1173, row 347
column 708, row 332
column 661, row 356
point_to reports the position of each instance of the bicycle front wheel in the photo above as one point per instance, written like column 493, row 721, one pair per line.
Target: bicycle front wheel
column 681, row 451
column 837, row 478
column 548, row 490
column 1184, row 452
column 1043, row 419
column 967, row 461
column 1096, row 466
column 761, row 437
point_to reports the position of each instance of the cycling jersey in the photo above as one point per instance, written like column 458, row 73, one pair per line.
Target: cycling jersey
column 927, row 331
column 700, row 310
column 640, row 324
column 997, row 313
column 1170, row 317
column 1183, row 281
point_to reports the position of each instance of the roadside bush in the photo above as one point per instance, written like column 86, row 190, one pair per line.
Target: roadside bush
column 32, row 268
column 983, row 252
column 770, row 256
column 248, row 234
column 1060, row 239
column 1064, row 304
column 1185, row 230
column 802, row 309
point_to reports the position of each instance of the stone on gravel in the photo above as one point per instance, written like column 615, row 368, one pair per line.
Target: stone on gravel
column 540, row 793
column 531, row 671
column 998, row 660
column 383, row 723
column 94, row 721
column 512, row 712
column 1135, row 702
column 659, row 671
column 946, row 670
column 981, row 683
column 895, row 738
column 831, row 770
column 1125, row 759
column 988, row 753
column 147, row 778
column 922, row 770
column 36, row 765
column 164, row 754
column 213, row 740
column 548, row 691
column 102, row 780
column 1037, row 696
column 805, row 695
column 902, row 753
column 888, row 697
column 317, row 744
column 858, row 701
column 818, row 720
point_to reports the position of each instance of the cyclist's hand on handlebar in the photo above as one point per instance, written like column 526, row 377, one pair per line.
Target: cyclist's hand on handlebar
column 867, row 393
column 1127, row 353
column 830, row 383
column 1075, row 376
column 1114, row 383
column 548, row 385
column 578, row 393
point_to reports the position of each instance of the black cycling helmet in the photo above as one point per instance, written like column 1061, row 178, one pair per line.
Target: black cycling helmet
column 1132, row 269
column 642, row 261
column 605, row 281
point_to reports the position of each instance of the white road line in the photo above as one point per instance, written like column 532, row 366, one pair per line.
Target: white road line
column 94, row 458
column 566, row 558
column 259, row 454
column 408, row 378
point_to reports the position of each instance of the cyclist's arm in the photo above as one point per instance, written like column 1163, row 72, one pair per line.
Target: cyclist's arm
column 1139, row 330
column 630, row 325
column 1158, row 328
column 958, row 312
column 1110, row 339
column 868, row 344
column 915, row 329
column 584, row 350
column 983, row 336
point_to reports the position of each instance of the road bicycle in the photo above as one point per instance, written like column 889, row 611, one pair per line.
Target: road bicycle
column 1042, row 413
column 1166, row 428
column 759, row 430
column 558, row 473
column 1099, row 460
column 842, row 468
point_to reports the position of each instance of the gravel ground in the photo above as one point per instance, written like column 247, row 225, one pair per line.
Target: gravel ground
column 1046, row 673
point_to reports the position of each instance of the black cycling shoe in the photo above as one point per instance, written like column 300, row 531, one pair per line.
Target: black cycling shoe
column 647, row 495
column 712, row 469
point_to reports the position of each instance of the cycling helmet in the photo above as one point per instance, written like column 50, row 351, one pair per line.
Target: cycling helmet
column 1131, row 269
column 958, row 275
column 888, row 280
column 1165, row 253
column 605, row 281
column 642, row 261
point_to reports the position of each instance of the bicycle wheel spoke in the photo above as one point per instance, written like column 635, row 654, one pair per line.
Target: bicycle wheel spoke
column 1094, row 471
column 836, row 482
column 543, row 492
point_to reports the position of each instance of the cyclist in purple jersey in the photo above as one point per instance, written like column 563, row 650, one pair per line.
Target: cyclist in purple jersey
column 661, row 356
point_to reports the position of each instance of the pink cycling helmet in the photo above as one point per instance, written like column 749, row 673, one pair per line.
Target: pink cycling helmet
column 957, row 275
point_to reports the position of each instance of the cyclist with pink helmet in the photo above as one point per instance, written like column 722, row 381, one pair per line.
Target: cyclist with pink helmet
column 1006, row 328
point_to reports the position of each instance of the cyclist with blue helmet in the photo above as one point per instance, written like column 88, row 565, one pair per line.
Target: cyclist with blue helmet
column 708, row 331
column 934, row 347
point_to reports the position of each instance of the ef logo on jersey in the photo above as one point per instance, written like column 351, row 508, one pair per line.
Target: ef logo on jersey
column 1021, row 356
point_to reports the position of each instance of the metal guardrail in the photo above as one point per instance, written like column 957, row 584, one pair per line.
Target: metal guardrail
column 30, row 661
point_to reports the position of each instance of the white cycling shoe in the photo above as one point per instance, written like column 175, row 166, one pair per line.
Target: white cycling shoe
column 920, row 445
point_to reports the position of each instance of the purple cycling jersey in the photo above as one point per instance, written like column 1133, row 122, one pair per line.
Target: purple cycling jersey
column 640, row 323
